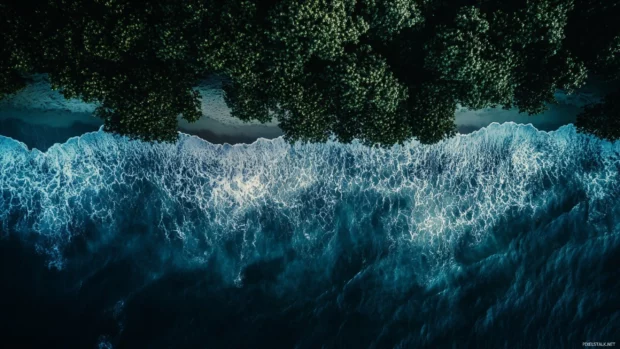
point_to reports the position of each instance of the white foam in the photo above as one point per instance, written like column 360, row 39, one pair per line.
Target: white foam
column 424, row 199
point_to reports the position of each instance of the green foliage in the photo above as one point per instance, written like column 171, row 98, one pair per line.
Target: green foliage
column 608, row 60
column 602, row 119
column 380, row 71
column 139, row 61
column 10, row 78
column 431, row 113
column 367, row 101
column 510, row 57
column 386, row 18
column 560, row 71
column 480, row 73
column 593, row 30
column 320, row 28
column 544, row 65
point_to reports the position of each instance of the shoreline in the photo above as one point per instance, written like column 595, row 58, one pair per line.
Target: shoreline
column 38, row 116
column 40, row 130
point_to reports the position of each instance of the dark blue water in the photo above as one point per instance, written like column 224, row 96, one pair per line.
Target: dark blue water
column 505, row 238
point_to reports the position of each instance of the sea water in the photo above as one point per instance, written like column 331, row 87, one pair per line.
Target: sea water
column 507, row 237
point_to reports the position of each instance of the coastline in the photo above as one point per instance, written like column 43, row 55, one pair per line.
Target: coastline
column 40, row 116
column 38, row 110
column 42, row 129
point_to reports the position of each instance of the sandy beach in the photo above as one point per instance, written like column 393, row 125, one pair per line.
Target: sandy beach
column 39, row 109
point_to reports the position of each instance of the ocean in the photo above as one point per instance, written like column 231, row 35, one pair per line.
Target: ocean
column 508, row 237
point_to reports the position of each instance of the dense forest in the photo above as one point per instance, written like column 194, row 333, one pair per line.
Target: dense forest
column 382, row 71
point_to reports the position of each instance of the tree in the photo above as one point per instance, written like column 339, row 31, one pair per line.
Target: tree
column 463, row 55
column 139, row 61
column 11, row 80
column 602, row 119
column 376, row 70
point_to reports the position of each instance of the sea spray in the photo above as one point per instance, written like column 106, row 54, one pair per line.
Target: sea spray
column 505, row 227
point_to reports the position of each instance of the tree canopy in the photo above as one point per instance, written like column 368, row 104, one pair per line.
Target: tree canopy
column 382, row 71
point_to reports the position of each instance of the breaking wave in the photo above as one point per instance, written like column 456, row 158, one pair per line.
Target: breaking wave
column 420, row 245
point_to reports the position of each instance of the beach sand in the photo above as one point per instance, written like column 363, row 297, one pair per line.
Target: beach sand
column 39, row 107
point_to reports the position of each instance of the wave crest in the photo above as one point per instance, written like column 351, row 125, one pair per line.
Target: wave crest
column 252, row 202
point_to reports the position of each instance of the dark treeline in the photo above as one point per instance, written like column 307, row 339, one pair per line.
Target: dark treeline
column 382, row 71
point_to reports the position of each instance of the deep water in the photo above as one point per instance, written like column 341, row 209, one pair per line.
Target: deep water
column 505, row 238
